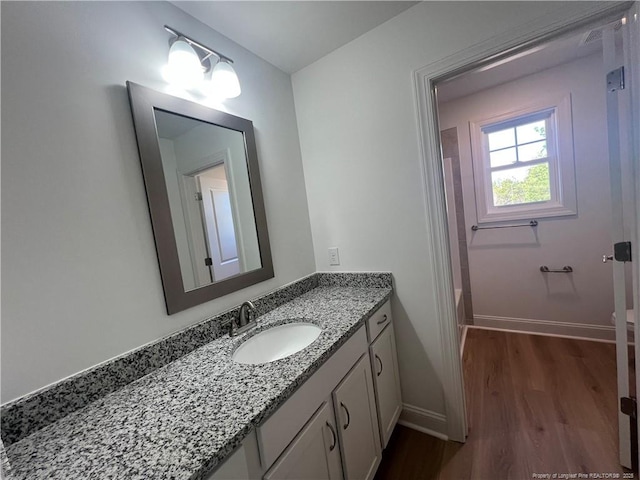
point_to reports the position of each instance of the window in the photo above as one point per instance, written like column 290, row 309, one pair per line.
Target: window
column 523, row 163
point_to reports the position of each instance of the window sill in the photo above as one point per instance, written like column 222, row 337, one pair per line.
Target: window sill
column 499, row 214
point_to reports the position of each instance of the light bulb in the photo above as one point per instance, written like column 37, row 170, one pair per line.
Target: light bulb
column 224, row 81
column 183, row 68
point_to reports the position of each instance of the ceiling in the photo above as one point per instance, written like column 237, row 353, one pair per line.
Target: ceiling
column 579, row 44
column 292, row 34
column 171, row 126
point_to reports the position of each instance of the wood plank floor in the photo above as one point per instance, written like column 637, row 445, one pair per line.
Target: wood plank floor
column 536, row 405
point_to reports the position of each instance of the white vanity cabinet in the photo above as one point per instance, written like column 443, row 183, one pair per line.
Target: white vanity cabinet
column 342, row 438
column 314, row 453
column 384, row 364
column 243, row 464
column 355, row 405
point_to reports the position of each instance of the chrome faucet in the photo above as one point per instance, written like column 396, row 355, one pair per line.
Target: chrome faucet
column 246, row 319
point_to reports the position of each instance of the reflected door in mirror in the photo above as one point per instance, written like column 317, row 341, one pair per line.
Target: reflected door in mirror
column 219, row 222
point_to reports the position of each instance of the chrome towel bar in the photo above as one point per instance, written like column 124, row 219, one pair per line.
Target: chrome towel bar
column 532, row 223
column 565, row 269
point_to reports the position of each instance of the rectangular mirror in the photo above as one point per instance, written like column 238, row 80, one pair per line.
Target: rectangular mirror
column 201, row 174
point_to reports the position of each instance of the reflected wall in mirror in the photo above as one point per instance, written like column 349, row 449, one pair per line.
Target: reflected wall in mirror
column 203, row 186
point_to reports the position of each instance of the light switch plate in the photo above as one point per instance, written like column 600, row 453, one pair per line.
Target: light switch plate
column 334, row 258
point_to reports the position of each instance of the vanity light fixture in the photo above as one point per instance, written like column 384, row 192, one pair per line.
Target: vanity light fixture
column 183, row 67
column 190, row 61
column 225, row 80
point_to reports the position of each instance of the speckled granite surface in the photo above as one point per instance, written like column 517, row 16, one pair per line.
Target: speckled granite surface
column 5, row 468
column 354, row 279
column 183, row 419
column 28, row 414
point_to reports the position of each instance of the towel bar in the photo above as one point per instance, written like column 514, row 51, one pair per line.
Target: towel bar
column 532, row 223
column 565, row 269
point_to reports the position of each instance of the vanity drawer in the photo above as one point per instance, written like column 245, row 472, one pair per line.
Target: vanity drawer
column 378, row 321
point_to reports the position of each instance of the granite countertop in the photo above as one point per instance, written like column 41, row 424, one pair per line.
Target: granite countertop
column 185, row 418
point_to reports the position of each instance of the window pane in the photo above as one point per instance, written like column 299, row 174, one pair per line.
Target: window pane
column 502, row 139
column 503, row 157
column 532, row 132
column 532, row 151
column 521, row 185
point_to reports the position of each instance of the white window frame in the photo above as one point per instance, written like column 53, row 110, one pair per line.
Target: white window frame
column 559, row 155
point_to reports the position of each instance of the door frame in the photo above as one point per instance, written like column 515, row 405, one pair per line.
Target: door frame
column 425, row 79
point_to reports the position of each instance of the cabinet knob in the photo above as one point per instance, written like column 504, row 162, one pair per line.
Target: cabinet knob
column 383, row 319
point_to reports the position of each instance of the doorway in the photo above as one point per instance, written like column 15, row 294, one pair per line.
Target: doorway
column 527, row 183
column 536, row 198
column 523, row 117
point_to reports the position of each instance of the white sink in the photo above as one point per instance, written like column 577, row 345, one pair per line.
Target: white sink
column 276, row 343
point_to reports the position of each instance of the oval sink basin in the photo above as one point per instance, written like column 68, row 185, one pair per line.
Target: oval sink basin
column 276, row 343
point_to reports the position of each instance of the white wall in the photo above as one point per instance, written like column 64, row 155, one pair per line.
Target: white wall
column 504, row 264
column 170, row 167
column 360, row 147
column 80, row 276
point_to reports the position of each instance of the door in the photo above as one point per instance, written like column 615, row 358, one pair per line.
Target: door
column 314, row 453
column 219, row 223
column 355, row 407
column 623, row 168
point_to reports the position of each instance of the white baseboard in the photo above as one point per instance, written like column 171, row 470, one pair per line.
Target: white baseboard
column 425, row 421
column 582, row 331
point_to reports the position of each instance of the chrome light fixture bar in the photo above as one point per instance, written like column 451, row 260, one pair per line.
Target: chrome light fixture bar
column 189, row 60
column 208, row 51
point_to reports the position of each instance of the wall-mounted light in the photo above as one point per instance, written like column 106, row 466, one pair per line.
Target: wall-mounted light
column 190, row 62
column 225, row 80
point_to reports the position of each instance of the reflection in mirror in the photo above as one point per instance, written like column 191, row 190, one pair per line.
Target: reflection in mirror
column 207, row 180
column 201, row 174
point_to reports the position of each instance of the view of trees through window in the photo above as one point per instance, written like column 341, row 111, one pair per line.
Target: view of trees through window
column 534, row 187
column 519, row 164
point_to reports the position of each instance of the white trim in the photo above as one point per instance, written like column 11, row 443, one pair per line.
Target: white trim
column 561, row 162
column 582, row 331
column 573, row 15
column 425, row 421
column 632, row 60
column 463, row 340
column 506, row 330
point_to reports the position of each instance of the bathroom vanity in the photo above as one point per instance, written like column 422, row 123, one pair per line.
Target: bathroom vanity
column 337, row 423
column 326, row 411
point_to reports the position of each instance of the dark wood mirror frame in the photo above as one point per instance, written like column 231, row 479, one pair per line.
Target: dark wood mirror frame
column 144, row 102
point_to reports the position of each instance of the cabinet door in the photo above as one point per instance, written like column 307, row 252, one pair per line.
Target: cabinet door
column 234, row 468
column 355, row 407
column 314, row 453
column 244, row 464
column 384, row 363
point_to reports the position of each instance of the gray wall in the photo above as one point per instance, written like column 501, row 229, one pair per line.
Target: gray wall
column 80, row 279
